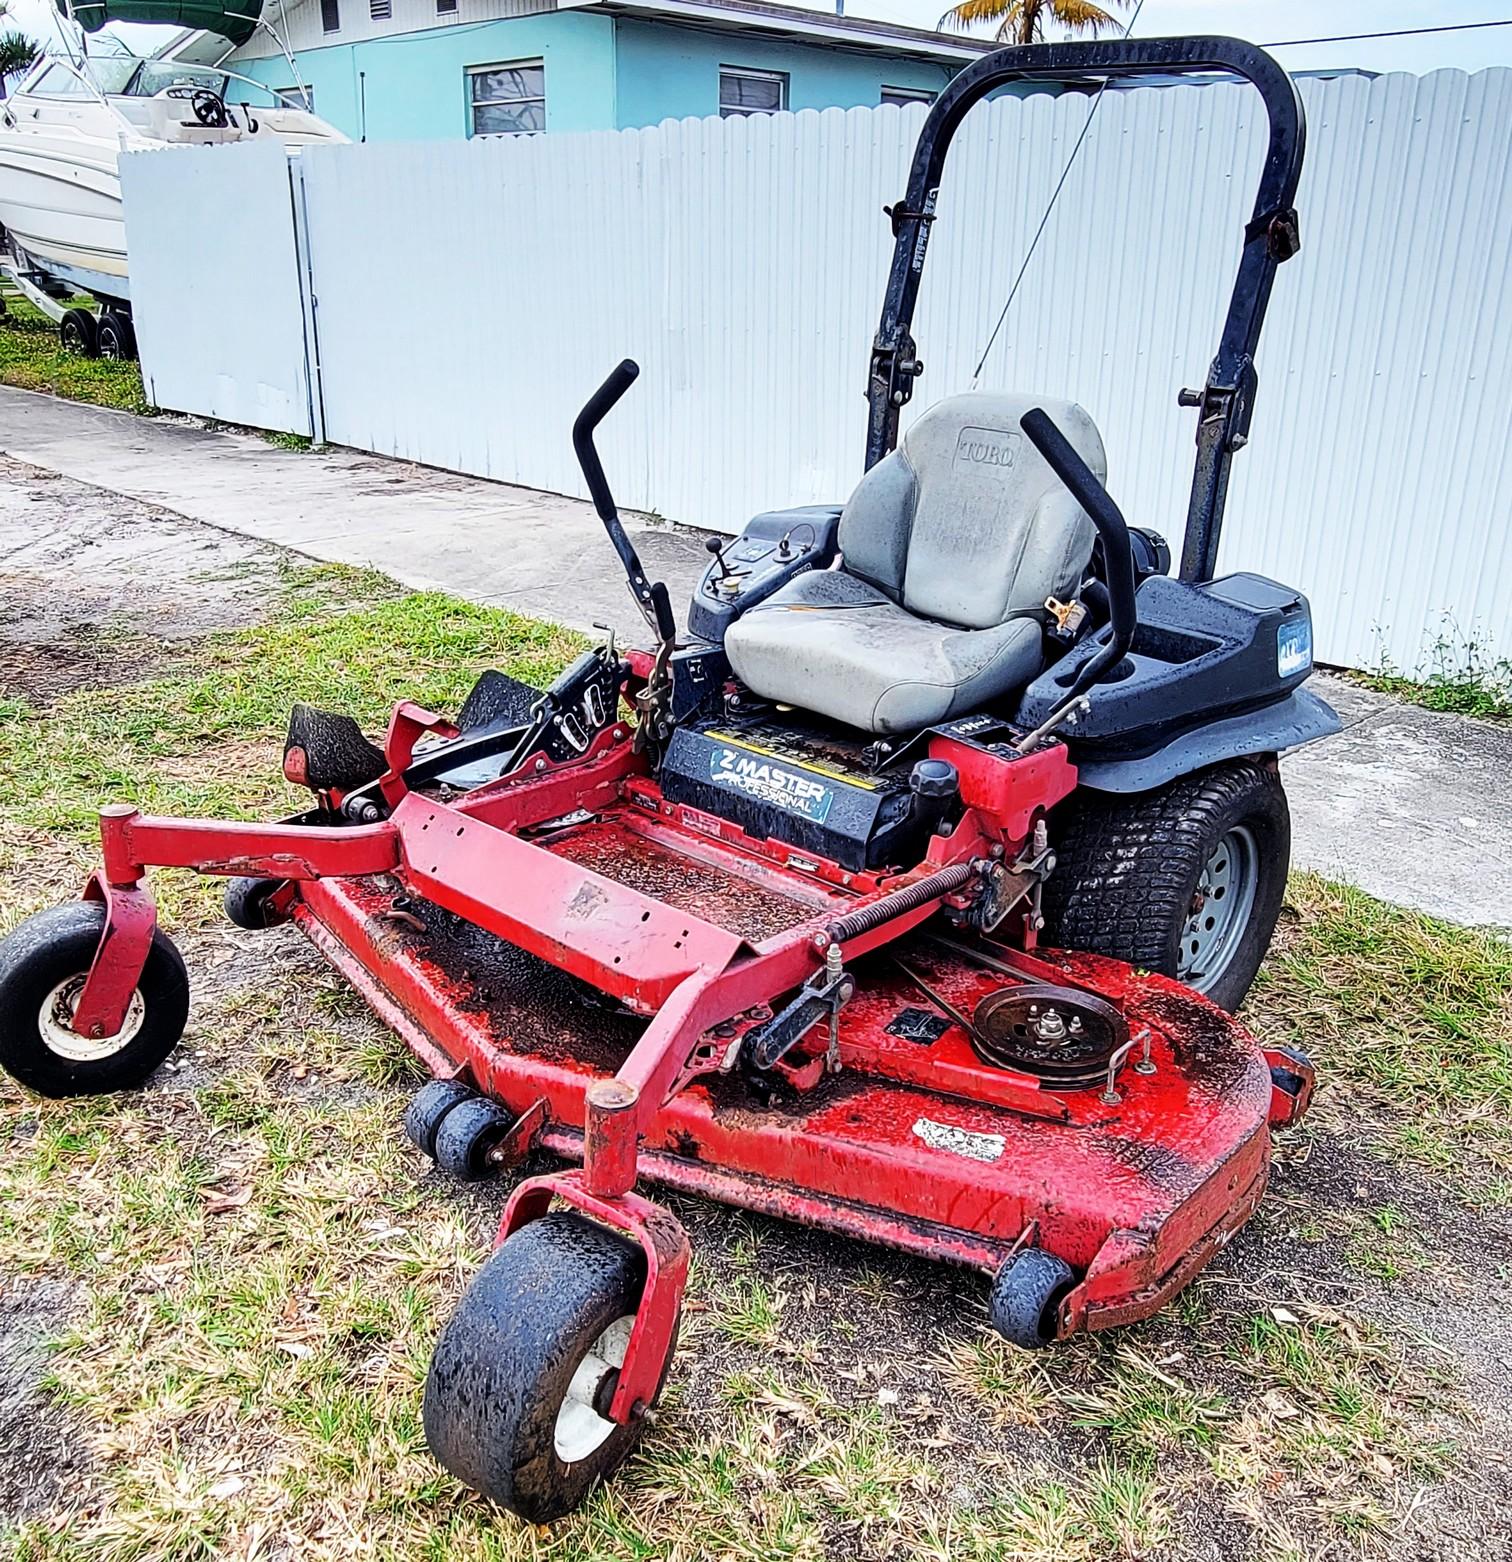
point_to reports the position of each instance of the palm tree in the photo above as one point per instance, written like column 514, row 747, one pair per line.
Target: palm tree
column 1023, row 21
column 17, row 54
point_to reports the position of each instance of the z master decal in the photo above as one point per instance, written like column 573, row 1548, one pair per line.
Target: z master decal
column 789, row 790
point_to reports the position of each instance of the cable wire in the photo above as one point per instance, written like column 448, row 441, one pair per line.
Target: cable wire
column 1402, row 32
column 1044, row 221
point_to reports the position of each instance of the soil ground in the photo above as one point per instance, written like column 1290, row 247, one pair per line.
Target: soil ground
column 218, row 1295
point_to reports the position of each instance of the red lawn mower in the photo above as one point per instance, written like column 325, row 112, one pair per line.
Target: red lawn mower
column 761, row 914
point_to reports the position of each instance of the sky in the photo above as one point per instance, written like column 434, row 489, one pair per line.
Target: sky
column 1261, row 21
column 1269, row 21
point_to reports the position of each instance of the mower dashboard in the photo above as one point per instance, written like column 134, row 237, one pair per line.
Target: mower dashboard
column 775, row 546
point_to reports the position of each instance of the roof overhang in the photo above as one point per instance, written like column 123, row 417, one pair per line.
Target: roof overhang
column 795, row 23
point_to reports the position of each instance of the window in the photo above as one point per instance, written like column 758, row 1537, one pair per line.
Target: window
column 507, row 100
column 902, row 95
column 743, row 91
column 380, row 10
column 446, row 7
column 330, row 16
column 294, row 97
column 60, row 82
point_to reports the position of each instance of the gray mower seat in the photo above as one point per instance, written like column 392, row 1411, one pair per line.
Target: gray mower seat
column 949, row 548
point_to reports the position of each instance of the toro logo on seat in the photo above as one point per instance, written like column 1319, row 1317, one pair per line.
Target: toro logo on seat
column 776, row 785
column 989, row 447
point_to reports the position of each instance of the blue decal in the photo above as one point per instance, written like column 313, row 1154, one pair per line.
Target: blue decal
column 790, row 790
column 1293, row 647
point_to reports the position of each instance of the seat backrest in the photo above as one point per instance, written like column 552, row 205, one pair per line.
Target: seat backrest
column 965, row 522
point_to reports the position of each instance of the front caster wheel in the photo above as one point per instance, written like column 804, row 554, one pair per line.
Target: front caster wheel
column 524, row 1371
column 1027, row 1291
column 249, row 903
column 43, row 968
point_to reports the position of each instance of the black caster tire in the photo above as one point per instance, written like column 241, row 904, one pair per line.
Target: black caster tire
column 514, row 1392
column 1186, row 880
column 431, row 1103
column 79, row 333
column 43, row 966
column 115, row 337
column 1024, row 1303
column 247, row 903
column 467, row 1135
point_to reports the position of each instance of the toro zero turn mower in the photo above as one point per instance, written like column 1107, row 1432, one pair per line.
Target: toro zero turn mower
column 906, row 896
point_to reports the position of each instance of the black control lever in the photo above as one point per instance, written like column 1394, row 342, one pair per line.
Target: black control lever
column 650, row 596
column 1118, row 556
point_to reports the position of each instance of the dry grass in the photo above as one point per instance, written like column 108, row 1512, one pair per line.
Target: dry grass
column 242, row 1269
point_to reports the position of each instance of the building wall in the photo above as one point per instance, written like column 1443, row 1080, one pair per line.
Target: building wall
column 413, row 87
column 669, row 72
column 601, row 73
column 304, row 28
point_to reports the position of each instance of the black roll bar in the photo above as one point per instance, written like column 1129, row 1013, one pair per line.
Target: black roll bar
column 1227, row 400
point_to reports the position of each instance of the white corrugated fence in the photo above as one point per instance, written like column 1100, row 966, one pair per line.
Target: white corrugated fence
column 469, row 295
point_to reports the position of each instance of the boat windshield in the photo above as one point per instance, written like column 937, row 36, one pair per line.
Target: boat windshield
column 125, row 76
column 155, row 76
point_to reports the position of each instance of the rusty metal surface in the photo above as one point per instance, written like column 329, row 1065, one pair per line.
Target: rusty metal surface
column 753, row 911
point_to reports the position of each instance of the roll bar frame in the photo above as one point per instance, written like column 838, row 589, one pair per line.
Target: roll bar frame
column 1226, row 402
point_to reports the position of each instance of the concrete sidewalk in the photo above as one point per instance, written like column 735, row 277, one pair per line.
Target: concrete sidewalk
column 1413, row 807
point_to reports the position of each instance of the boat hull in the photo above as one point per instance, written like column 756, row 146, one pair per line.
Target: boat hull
column 60, row 197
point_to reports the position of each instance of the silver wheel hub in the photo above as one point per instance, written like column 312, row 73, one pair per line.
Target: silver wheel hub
column 1221, row 908
column 580, row 1429
column 55, row 1024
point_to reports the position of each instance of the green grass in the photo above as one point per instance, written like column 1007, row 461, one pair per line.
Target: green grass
column 1465, row 678
column 32, row 357
column 256, row 1264
column 1412, row 1016
column 287, row 441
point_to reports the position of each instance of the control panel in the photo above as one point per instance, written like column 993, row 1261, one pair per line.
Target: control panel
column 774, row 547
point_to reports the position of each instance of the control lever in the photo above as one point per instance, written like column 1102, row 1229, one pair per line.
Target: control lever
column 1118, row 561
column 654, row 702
column 651, row 598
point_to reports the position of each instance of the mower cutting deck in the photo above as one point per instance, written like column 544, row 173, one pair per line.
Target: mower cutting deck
column 756, row 915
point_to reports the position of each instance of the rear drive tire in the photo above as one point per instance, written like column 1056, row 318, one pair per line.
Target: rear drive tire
column 525, row 1366
column 43, row 966
column 1186, row 880
column 79, row 333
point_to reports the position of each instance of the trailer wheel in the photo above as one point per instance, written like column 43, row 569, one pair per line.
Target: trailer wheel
column 1024, row 1303
column 247, row 903
column 467, row 1135
column 527, row 1365
column 116, row 336
column 1186, row 880
column 43, row 967
column 431, row 1103
column 79, row 333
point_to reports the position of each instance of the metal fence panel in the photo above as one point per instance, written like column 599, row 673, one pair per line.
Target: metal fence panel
column 471, row 294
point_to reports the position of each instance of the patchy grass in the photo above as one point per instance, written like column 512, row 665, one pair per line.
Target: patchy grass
column 286, row 441
column 247, row 1265
column 1465, row 678
column 1414, row 1019
column 32, row 357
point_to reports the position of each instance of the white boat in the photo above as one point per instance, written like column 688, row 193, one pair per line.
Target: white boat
column 62, row 132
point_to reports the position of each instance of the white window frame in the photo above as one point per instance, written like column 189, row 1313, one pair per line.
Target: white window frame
column 335, row 10
column 898, row 96
column 752, row 73
column 474, row 104
column 446, row 7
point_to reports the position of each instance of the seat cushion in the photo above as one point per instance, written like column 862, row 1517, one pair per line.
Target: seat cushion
column 832, row 643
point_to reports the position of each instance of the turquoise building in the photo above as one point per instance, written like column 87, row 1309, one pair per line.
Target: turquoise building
column 387, row 70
